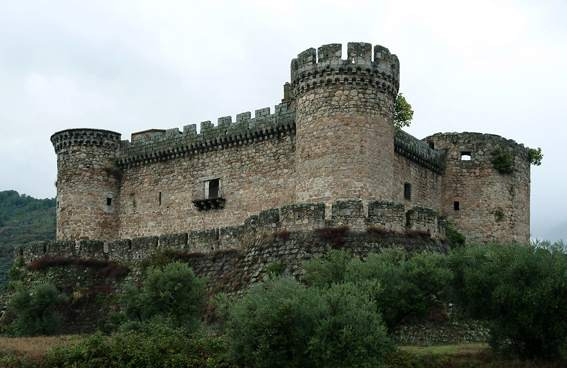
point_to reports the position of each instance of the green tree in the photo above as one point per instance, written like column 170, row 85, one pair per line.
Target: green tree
column 34, row 310
column 170, row 292
column 521, row 291
column 403, row 113
column 535, row 156
column 282, row 323
column 401, row 285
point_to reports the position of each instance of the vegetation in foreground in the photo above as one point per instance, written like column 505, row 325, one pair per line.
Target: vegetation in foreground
column 340, row 314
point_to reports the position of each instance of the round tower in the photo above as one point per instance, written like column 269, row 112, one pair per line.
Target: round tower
column 344, row 122
column 486, row 186
column 87, row 184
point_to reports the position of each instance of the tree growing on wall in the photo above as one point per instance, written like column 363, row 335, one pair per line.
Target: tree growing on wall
column 535, row 155
column 403, row 113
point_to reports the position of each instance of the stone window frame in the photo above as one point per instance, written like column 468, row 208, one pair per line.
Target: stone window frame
column 206, row 187
column 204, row 201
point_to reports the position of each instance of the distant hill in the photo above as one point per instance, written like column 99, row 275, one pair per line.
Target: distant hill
column 23, row 219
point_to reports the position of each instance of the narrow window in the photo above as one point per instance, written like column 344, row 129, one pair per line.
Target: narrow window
column 133, row 200
column 456, row 206
column 108, row 201
column 159, row 198
column 214, row 188
column 407, row 191
column 431, row 144
column 466, row 156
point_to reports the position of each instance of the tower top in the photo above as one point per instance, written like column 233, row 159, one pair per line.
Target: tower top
column 325, row 65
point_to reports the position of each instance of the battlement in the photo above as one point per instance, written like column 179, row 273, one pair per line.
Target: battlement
column 325, row 66
column 382, row 219
column 172, row 143
column 84, row 137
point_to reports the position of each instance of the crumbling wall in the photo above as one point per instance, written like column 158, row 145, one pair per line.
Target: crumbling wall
column 486, row 204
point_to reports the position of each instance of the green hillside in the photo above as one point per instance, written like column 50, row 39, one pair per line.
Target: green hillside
column 23, row 219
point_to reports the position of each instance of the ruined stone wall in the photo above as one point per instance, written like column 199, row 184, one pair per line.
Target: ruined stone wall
column 492, row 206
column 345, row 134
column 87, row 184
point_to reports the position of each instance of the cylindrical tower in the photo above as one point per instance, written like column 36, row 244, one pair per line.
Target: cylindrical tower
column 486, row 186
column 344, row 121
column 88, row 184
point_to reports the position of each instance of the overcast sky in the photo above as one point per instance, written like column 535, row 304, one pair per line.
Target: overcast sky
column 488, row 66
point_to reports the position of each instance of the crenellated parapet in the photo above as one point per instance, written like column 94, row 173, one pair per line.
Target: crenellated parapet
column 365, row 221
column 172, row 143
column 85, row 137
column 419, row 151
column 377, row 68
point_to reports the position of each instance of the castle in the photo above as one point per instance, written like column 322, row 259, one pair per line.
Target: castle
column 328, row 154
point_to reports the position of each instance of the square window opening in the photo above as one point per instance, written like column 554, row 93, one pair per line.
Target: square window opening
column 466, row 156
column 457, row 206
column 407, row 191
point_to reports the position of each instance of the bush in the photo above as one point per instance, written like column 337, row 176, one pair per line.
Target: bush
column 172, row 292
column 157, row 345
column 402, row 285
column 503, row 161
column 282, row 323
column 34, row 310
column 521, row 291
column 455, row 238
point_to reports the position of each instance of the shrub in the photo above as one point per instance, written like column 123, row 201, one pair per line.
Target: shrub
column 455, row 238
column 503, row 161
column 521, row 291
column 157, row 345
column 103, row 268
column 282, row 323
column 411, row 285
column 171, row 292
column 34, row 310
column 329, row 269
column 402, row 285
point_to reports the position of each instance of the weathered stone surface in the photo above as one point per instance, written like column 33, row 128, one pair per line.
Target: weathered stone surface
column 328, row 155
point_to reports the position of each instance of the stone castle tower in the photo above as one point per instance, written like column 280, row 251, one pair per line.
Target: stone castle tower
column 330, row 141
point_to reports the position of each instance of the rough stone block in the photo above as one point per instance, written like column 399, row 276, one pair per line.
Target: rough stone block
column 261, row 113
column 330, row 53
column 244, row 116
column 359, row 52
column 178, row 241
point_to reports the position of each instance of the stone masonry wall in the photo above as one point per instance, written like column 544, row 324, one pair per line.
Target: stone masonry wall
column 157, row 197
column 331, row 139
column 233, row 257
column 493, row 207
column 345, row 133
column 88, row 194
